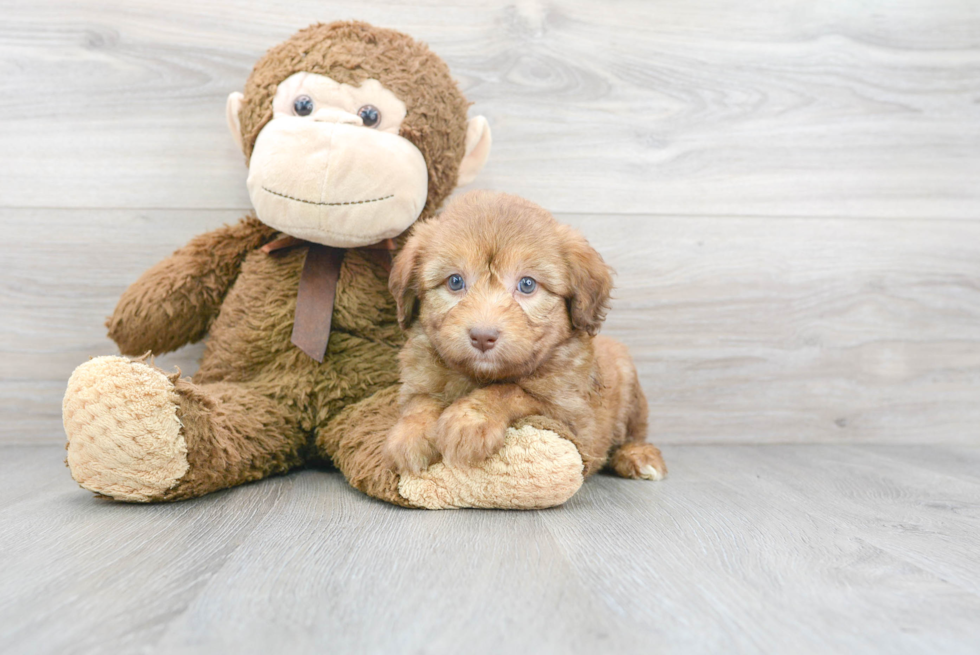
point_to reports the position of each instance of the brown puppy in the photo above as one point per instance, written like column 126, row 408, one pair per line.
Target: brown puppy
column 508, row 302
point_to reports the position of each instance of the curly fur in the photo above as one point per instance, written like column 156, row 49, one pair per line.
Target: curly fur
column 458, row 396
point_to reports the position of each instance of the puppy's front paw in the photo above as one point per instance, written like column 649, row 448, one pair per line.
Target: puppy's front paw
column 467, row 435
column 408, row 447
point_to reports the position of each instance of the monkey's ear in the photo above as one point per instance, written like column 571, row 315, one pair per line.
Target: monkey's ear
column 590, row 279
column 232, row 110
column 477, row 149
column 402, row 283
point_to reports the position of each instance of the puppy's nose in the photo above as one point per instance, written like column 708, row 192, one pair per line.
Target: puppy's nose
column 483, row 339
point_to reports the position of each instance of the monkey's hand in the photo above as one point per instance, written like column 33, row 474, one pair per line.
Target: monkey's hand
column 538, row 467
column 174, row 302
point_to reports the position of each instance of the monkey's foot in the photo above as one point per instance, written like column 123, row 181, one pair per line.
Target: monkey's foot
column 536, row 468
column 638, row 460
column 124, row 437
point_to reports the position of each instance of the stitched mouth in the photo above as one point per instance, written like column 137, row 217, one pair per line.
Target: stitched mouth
column 328, row 204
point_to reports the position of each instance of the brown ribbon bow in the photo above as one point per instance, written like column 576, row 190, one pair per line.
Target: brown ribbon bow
column 318, row 288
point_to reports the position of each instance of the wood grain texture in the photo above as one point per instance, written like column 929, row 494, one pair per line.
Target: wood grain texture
column 748, row 549
column 743, row 329
column 708, row 107
column 788, row 193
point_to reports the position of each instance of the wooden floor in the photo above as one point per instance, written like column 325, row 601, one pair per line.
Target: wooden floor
column 789, row 194
column 745, row 549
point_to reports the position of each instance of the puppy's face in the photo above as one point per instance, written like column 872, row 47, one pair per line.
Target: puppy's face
column 497, row 284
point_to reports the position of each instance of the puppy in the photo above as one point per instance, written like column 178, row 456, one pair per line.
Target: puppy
column 502, row 304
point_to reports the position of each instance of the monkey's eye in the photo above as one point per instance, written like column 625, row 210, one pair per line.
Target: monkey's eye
column 455, row 282
column 303, row 105
column 527, row 285
column 370, row 115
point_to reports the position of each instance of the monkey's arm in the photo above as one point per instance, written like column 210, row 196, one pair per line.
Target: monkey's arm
column 173, row 303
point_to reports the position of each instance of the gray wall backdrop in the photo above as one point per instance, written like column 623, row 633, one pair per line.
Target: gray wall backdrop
column 790, row 191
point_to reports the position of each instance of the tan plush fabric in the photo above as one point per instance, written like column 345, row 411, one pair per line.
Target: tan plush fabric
column 125, row 439
column 535, row 469
column 478, row 143
column 326, row 177
column 352, row 52
column 312, row 181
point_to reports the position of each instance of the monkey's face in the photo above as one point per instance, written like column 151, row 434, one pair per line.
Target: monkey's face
column 330, row 166
column 352, row 132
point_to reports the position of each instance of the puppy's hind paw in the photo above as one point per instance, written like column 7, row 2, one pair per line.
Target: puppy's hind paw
column 639, row 461
column 651, row 472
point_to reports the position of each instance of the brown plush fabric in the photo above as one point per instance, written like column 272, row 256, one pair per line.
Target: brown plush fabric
column 258, row 405
column 352, row 52
column 235, row 434
column 356, row 438
column 173, row 303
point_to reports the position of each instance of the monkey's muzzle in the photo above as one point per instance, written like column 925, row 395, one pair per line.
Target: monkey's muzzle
column 339, row 185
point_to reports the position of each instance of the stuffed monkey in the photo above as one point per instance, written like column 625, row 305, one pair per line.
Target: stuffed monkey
column 351, row 133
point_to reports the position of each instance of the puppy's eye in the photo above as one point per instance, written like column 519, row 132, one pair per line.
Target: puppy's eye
column 527, row 285
column 455, row 282
column 370, row 115
column 303, row 105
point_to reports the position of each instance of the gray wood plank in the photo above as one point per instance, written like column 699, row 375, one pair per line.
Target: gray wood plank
column 957, row 461
column 926, row 517
column 748, row 549
column 743, row 549
column 668, row 108
column 743, row 329
column 377, row 579
column 799, row 330
column 83, row 575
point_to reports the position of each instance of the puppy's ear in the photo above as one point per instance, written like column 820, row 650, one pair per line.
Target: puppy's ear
column 590, row 282
column 403, row 282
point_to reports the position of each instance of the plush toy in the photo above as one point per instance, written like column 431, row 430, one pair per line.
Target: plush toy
column 351, row 133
